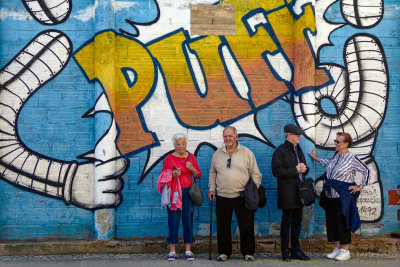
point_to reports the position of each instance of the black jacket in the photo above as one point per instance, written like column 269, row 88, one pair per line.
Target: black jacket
column 250, row 195
column 283, row 165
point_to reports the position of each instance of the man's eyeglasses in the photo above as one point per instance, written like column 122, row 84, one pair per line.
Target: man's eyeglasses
column 337, row 141
column 228, row 163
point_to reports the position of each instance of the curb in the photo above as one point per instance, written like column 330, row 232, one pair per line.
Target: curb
column 384, row 245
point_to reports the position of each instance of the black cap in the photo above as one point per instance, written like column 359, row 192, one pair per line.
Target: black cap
column 294, row 129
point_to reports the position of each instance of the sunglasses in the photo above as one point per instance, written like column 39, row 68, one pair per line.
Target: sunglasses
column 228, row 163
column 337, row 141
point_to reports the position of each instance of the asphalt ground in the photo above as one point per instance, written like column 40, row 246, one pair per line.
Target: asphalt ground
column 150, row 260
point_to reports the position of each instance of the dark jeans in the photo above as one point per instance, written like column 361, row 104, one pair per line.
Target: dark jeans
column 291, row 222
column 174, row 217
column 224, row 208
column 336, row 227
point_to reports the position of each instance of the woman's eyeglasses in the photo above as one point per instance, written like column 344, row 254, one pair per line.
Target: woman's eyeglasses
column 228, row 163
column 337, row 141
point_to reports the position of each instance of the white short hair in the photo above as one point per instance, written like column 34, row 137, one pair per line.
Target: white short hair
column 178, row 136
column 230, row 127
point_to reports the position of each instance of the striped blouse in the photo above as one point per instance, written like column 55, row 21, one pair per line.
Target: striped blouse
column 343, row 167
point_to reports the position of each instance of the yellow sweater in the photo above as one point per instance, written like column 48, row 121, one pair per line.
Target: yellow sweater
column 230, row 181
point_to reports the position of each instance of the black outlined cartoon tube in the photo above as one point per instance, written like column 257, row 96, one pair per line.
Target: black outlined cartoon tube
column 362, row 14
column 359, row 95
column 49, row 12
column 72, row 181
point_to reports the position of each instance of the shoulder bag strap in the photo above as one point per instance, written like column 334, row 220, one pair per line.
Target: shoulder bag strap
column 296, row 150
column 191, row 176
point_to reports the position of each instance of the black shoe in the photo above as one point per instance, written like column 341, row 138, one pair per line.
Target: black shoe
column 299, row 255
column 286, row 255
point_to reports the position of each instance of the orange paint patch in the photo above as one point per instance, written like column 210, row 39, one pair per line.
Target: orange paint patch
column 394, row 197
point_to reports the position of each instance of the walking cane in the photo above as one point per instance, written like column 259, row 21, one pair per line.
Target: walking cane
column 209, row 242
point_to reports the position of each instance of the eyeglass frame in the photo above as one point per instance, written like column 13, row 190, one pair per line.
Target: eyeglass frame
column 338, row 142
column 228, row 164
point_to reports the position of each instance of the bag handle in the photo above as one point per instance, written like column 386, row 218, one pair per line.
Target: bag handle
column 191, row 176
column 296, row 151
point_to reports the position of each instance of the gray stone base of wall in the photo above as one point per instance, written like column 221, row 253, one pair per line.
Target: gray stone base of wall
column 381, row 244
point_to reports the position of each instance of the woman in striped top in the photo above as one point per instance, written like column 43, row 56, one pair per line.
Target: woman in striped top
column 340, row 194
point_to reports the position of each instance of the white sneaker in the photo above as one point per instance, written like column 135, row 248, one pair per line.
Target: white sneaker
column 344, row 255
column 333, row 254
column 222, row 257
column 189, row 255
column 248, row 258
column 171, row 256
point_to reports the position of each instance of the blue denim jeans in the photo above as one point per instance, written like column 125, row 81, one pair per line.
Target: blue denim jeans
column 174, row 217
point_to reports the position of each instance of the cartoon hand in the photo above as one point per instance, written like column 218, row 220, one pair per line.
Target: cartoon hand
column 87, row 193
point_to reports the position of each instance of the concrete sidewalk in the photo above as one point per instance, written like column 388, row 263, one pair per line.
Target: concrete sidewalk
column 158, row 259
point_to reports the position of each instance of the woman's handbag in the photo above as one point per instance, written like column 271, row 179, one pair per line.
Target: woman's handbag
column 306, row 187
column 195, row 192
column 306, row 192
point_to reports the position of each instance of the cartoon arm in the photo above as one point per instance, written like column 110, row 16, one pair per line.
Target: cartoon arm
column 38, row 63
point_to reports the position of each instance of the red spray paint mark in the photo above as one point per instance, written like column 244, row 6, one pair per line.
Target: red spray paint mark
column 394, row 199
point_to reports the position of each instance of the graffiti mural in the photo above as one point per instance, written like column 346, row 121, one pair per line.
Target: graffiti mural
column 49, row 12
column 153, row 78
column 36, row 64
column 223, row 102
column 360, row 89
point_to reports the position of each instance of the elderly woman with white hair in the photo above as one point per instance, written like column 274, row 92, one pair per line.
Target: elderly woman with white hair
column 183, row 165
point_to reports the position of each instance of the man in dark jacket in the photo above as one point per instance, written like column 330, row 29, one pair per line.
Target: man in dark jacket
column 289, row 166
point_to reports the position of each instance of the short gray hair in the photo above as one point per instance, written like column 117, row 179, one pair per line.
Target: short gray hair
column 230, row 127
column 286, row 135
column 178, row 136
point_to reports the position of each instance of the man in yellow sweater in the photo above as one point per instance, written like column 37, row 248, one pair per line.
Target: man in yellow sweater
column 231, row 167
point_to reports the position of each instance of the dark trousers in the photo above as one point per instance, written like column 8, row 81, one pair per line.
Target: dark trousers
column 336, row 227
column 224, row 208
column 291, row 222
